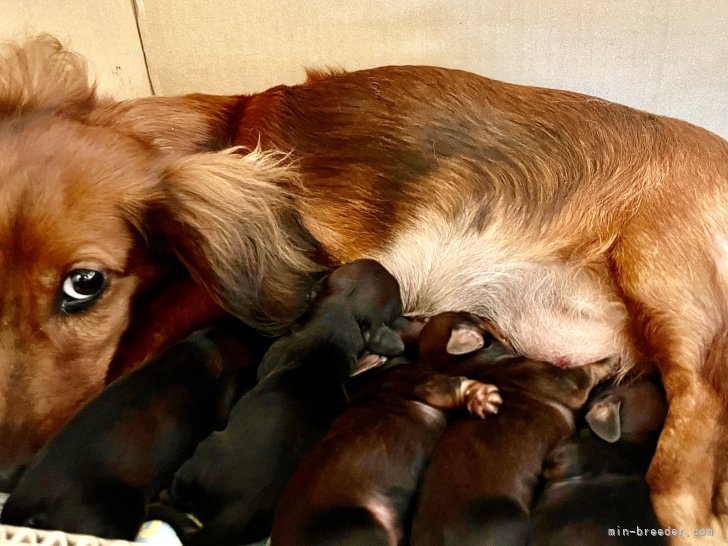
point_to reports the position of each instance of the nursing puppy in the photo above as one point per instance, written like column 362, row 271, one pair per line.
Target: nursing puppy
column 236, row 476
column 480, row 484
column 531, row 207
column 357, row 485
column 595, row 480
column 98, row 473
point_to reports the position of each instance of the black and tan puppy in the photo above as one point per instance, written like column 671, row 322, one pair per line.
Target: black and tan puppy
column 235, row 478
column 98, row 473
column 595, row 490
column 357, row 485
column 479, row 486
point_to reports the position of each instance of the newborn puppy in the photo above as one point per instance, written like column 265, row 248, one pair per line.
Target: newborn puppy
column 362, row 291
column 357, row 485
column 235, row 478
column 98, row 473
column 479, row 486
column 630, row 416
column 595, row 481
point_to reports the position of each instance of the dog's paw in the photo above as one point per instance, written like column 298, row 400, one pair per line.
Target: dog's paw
column 482, row 399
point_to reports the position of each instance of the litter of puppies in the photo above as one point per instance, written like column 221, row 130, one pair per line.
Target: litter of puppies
column 448, row 436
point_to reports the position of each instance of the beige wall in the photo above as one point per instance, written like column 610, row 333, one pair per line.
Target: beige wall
column 665, row 56
column 104, row 31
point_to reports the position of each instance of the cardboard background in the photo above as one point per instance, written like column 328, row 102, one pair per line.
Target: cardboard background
column 665, row 56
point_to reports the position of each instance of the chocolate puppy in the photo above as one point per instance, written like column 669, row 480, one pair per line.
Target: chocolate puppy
column 98, row 473
column 235, row 478
column 479, row 486
column 595, row 480
column 357, row 485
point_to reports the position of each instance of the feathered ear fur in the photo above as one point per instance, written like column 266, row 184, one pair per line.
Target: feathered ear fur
column 229, row 218
column 41, row 75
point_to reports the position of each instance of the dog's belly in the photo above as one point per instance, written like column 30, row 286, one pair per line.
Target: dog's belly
column 548, row 309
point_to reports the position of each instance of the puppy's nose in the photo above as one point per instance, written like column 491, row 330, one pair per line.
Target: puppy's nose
column 383, row 340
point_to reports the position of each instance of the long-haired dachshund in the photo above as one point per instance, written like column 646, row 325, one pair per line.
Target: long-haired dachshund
column 583, row 229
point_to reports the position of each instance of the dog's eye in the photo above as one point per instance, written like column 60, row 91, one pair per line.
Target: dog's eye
column 81, row 288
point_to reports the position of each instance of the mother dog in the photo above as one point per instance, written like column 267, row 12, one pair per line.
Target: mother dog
column 582, row 228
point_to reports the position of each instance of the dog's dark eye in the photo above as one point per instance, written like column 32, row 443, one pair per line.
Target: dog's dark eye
column 81, row 288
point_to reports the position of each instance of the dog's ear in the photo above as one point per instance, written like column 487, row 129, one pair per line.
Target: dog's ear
column 184, row 125
column 464, row 338
column 228, row 218
column 40, row 74
column 604, row 420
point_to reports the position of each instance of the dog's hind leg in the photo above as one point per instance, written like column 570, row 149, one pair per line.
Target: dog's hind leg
column 677, row 305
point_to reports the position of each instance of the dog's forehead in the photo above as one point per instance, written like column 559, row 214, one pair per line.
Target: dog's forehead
column 34, row 240
column 64, row 199
column 42, row 143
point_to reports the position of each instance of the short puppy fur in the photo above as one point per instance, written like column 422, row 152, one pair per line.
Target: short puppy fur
column 236, row 476
column 357, row 485
column 480, row 484
column 97, row 475
column 595, row 480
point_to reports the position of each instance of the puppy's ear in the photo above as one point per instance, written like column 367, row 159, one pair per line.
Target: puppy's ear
column 230, row 220
column 604, row 420
column 464, row 338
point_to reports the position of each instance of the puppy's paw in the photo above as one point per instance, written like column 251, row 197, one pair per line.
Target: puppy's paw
column 366, row 363
column 481, row 399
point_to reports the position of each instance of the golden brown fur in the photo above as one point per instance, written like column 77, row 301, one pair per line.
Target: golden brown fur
column 76, row 192
column 582, row 228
